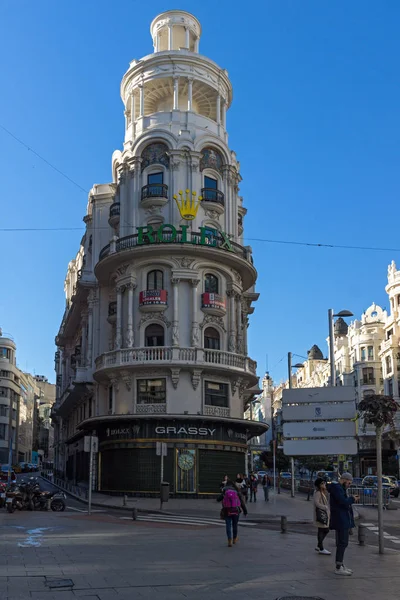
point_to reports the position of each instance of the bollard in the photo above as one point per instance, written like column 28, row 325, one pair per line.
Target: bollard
column 283, row 524
column 361, row 534
column 125, row 500
column 134, row 514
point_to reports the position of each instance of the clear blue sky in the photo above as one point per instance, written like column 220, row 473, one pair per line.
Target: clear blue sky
column 315, row 124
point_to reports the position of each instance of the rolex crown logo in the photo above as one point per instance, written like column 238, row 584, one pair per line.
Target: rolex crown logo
column 187, row 204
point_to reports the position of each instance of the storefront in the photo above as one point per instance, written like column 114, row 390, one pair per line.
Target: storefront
column 200, row 451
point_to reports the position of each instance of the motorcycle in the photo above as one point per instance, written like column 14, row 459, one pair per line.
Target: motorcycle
column 3, row 487
column 18, row 496
column 44, row 500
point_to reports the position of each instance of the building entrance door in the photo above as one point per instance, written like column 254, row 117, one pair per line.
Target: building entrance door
column 185, row 471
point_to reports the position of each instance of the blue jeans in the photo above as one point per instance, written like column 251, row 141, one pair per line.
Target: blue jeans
column 232, row 524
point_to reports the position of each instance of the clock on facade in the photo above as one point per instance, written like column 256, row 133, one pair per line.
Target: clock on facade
column 186, row 462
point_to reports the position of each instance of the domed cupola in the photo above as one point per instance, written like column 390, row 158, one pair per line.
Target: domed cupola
column 340, row 328
column 315, row 353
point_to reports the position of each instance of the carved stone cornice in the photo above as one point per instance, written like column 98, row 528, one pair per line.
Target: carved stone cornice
column 154, row 316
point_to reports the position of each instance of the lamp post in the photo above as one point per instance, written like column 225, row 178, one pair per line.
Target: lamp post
column 331, row 316
column 290, row 367
column 252, row 402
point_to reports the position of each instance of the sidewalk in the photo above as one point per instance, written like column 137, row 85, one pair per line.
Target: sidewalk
column 297, row 510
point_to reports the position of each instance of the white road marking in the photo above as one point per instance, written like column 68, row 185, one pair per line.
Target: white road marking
column 184, row 520
column 84, row 510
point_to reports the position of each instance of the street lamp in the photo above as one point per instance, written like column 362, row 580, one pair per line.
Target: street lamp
column 331, row 316
column 290, row 367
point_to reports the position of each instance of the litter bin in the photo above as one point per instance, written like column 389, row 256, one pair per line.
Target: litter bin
column 164, row 491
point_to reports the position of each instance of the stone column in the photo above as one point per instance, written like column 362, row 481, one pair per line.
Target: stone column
column 141, row 100
column 187, row 38
column 91, row 304
column 175, row 318
column 232, row 321
column 133, row 112
column 197, row 45
column 224, row 113
column 219, row 109
column 239, row 343
column 195, row 337
column 129, row 335
column 84, row 338
column 170, row 36
column 176, row 92
column 190, row 93
column 118, row 336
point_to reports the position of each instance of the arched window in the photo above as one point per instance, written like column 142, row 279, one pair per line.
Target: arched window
column 155, row 280
column 154, row 335
column 211, row 284
column 212, row 339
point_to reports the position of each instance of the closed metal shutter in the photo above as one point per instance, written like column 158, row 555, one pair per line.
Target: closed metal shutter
column 214, row 464
column 135, row 470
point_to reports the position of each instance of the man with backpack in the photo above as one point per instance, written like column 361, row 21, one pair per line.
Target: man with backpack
column 232, row 506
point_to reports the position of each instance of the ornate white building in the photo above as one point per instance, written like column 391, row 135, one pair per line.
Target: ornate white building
column 153, row 342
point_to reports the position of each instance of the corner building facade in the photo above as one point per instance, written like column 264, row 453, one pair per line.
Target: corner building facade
column 153, row 343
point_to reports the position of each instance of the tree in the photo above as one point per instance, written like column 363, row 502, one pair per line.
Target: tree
column 379, row 411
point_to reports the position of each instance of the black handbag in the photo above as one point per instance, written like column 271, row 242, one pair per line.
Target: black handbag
column 322, row 516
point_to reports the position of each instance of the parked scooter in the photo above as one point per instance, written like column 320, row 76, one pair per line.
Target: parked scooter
column 3, row 487
column 18, row 496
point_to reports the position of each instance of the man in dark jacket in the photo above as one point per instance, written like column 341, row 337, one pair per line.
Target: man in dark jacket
column 341, row 518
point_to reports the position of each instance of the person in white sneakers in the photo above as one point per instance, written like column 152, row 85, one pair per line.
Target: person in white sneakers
column 322, row 514
column 342, row 519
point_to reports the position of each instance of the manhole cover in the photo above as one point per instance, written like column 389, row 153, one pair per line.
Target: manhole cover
column 59, row 583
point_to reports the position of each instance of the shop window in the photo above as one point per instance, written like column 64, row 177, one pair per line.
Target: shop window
column 212, row 339
column 216, row 394
column 154, row 335
column 151, row 391
column 155, row 280
column 211, row 283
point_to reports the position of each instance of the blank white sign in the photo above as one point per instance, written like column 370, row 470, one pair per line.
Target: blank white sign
column 320, row 395
column 325, row 411
column 317, row 429
column 327, row 447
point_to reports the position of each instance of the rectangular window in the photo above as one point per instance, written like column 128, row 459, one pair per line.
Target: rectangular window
column 389, row 334
column 4, row 392
column 155, row 178
column 151, row 391
column 3, row 431
column 370, row 353
column 5, row 374
column 5, row 353
column 3, row 410
column 363, row 353
column 368, row 376
column 216, row 394
column 388, row 361
column 110, row 400
column 210, row 183
column 14, row 415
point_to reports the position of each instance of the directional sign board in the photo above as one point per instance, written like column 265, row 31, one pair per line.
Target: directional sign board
column 319, row 421
column 91, row 439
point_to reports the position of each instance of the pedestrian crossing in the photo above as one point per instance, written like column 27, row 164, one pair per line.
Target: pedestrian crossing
column 387, row 536
column 185, row 520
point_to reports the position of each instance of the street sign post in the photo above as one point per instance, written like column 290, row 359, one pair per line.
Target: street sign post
column 91, row 444
column 319, row 421
column 161, row 450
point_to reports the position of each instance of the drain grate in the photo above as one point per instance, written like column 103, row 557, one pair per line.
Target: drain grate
column 59, row 583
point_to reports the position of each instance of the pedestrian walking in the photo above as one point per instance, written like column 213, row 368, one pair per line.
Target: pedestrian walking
column 322, row 514
column 223, row 482
column 232, row 506
column 253, row 487
column 341, row 519
column 265, row 486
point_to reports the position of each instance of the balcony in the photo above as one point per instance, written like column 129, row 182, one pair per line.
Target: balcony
column 213, row 200
column 213, row 304
column 154, row 194
column 217, row 411
column 113, row 218
column 167, row 356
column 153, row 300
column 368, row 381
column 151, row 409
column 112, row 312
